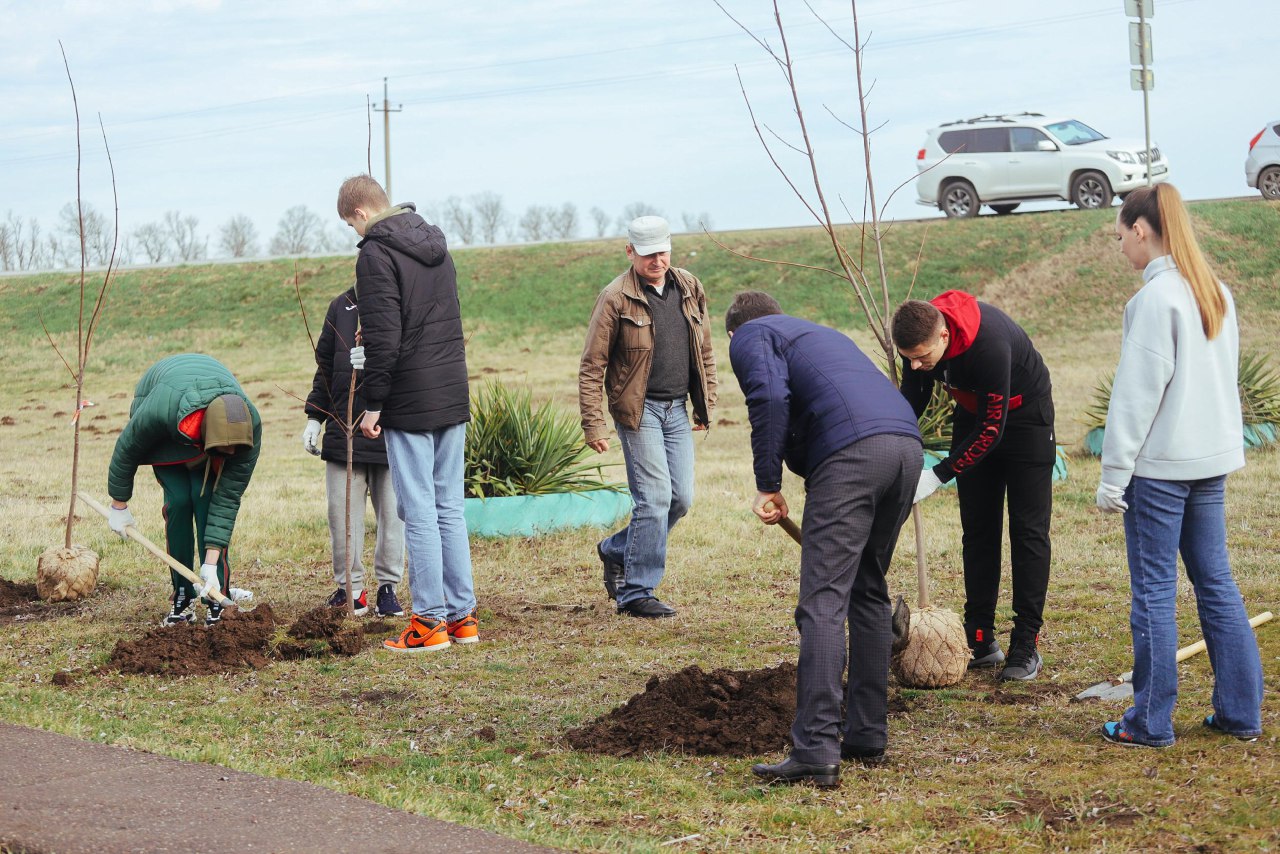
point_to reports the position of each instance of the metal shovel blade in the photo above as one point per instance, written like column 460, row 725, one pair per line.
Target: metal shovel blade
column 1120, row 688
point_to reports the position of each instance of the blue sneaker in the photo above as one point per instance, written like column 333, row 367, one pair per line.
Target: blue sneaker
column 388, row 605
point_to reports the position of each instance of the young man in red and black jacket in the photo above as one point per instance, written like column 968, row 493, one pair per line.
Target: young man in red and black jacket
column 1002, row 444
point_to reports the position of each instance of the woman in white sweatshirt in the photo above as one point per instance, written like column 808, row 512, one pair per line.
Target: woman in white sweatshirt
column 1173, row 433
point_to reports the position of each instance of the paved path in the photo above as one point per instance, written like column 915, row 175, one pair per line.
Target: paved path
column 59, row 795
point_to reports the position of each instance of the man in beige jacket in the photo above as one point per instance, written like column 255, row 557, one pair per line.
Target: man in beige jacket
column 648, row 351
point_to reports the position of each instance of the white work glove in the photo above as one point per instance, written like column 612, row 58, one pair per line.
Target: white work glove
column 1111, row 498
column 928, row 484
column 357, row 358
column 119, row 519
column 309, row 437
column 208, row 582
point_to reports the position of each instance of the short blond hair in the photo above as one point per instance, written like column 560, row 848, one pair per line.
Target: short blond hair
column 361, row 191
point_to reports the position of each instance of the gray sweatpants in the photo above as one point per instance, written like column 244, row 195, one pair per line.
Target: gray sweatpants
column 388, row 552
column 855, row 503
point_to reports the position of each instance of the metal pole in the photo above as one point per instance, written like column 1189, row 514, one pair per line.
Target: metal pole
column 386, row 136
column 1146, row 88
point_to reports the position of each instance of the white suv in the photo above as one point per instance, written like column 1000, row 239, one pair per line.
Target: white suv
column 1262, row 166
column 1001, row 161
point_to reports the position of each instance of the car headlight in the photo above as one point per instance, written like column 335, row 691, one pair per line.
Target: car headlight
column 1122, row 156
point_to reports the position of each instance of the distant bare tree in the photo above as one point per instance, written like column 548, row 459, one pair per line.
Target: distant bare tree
column 602, row 221
column 491, row 216
column 297, row 233
column 459, row 220
column 696, row 222
column 562, row 223
column 533, row 224
column 238, row 237
column 187, row 245
column 98, row 239
column 633, row 210
column 21, row 246
column 153, row 240
column 339, row 240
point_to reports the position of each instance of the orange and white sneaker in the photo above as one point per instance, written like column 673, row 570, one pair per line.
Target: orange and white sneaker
column 423, row 635
column 465, row 629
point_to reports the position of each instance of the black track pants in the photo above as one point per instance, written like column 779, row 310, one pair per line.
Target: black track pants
column 1021, row 469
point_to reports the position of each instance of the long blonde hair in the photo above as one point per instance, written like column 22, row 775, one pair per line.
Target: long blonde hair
column 1161, row 206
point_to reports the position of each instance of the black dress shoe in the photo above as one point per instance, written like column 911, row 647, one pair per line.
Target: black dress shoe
column 793, row 771
column 614, row 573
column 648, row 607
column 865, row 755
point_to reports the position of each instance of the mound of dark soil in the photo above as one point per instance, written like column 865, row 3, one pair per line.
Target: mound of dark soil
column 238, row 642
column 721, row 713
column 321, row 631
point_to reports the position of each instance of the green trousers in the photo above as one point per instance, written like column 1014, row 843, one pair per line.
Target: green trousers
column 186, row 512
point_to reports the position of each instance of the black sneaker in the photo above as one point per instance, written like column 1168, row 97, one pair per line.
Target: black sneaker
column 388, row 605
column 213, row 616
column 339, row 600
column 984, row 648
column 865, row 755
column 614, row 574
column 1024, row 661
column 184, row 610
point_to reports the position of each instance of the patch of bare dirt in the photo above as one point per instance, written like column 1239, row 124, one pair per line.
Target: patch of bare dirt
column 19, row 602
column 1060, row 815
column 326, row 631
column 238, row 642
column 721, row 713
column 1030, row 694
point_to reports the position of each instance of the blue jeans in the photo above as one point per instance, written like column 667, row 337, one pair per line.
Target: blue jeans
column 427, row 473
column 659, row 458
column 1164, row 518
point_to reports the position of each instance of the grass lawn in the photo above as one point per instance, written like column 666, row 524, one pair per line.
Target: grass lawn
column 976, row 767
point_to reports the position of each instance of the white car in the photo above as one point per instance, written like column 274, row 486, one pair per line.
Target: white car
column 1262, row 166
column 1004, row 160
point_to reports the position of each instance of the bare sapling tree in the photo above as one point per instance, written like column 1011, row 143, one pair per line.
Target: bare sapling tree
column 71, row 572
column 936, row 653
column 490, row 215
column 238, row 237
column 601, row 220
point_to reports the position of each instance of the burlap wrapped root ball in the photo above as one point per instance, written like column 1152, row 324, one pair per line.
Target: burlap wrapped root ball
column 64, row 575
column 936, row 654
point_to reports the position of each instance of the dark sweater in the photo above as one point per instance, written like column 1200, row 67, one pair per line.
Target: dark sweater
column 669, row 376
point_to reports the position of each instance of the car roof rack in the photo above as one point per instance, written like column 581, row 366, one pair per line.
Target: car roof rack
column 998, row 117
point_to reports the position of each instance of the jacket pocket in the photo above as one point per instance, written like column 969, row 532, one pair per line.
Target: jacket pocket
column 636, row 332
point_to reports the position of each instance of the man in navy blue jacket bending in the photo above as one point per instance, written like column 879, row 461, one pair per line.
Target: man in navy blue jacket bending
column 817, row 403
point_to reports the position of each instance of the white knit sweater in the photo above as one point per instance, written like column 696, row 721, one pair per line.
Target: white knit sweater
column 1175, row 404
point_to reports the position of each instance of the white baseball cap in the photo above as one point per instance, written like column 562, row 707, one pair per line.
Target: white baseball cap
column 649, row 234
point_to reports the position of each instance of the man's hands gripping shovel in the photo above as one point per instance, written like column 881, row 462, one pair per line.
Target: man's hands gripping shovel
column 206, row 583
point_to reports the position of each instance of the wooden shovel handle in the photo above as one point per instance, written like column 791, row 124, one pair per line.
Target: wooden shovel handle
column 133, row 534
column 791, row 528
column 1199, row 646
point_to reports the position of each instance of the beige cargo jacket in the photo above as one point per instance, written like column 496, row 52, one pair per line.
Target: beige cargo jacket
column 618, row 354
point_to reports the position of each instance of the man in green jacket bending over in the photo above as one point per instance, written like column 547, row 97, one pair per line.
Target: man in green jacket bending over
column 193, row 424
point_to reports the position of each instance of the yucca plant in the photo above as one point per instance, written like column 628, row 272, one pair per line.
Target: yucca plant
column 1259, row 390
column 1095, row 413
column 935, row 421
column 515, row 449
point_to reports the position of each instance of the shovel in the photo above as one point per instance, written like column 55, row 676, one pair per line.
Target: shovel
column 1121, row 687
column 901, row 611
column 133, row 534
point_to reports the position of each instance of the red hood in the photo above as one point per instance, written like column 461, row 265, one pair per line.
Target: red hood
column 960, row 311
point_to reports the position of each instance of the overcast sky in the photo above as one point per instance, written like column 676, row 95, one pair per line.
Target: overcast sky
column 219, row 107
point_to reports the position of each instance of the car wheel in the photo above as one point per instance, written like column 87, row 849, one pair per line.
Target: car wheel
column 1005, row 209
column 1091, row 191
column 1269, row 183
column 959, row 200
